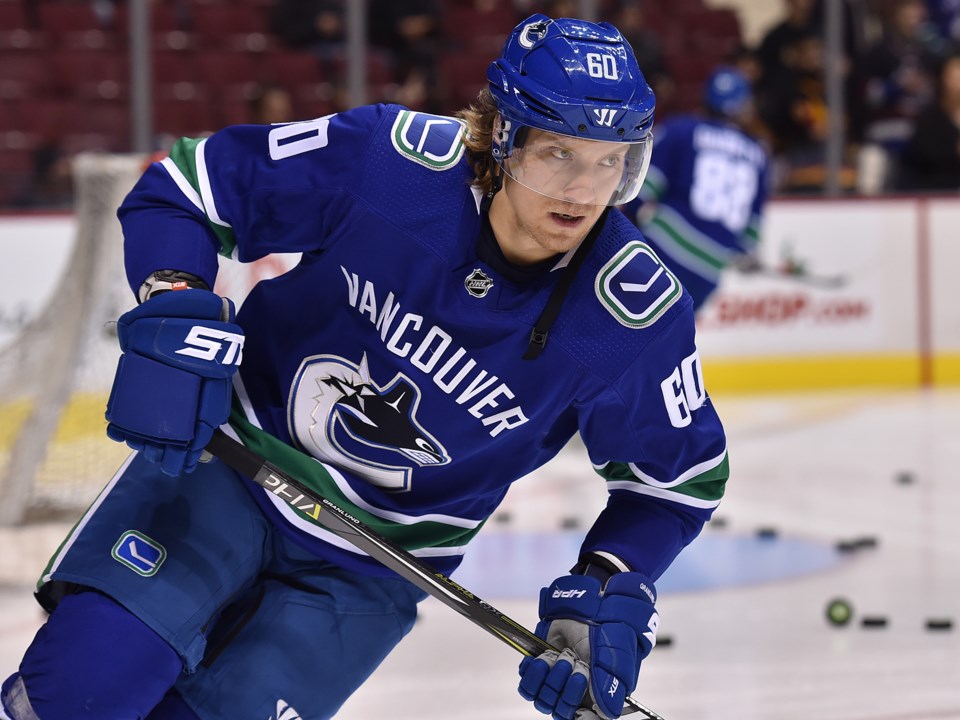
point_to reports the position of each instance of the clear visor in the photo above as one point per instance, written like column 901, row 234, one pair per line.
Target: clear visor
column 585, row 172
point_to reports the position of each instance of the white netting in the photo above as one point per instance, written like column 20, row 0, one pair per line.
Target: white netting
column 55, row 377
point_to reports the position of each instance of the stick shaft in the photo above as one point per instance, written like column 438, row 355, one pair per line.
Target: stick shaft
column 343, row 524
column 821, row 281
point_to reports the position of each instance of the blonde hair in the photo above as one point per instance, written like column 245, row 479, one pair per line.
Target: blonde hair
column 479, row 117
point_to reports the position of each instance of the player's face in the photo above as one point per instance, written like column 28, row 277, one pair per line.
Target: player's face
column 556, row 187
column 531, row 227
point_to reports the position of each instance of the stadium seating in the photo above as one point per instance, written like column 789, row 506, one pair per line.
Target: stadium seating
column 66, row 60
column 12, row 15
column 16, row 166
column 86, row 73
column 291, row 68
column 24, row 73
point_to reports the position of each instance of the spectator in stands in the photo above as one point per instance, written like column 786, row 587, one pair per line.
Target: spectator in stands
column 409, row 32
column 775, row 45
column 315, row 25
column 931, row 158
column 271, row 104
column 418, row 92
column 802, row 17
column 631, row 20
column 898, row 76
column 51, row 184
column 560, row 8
column 802, row 30
column 747, row 62
column 795, row 110
column 945, row 16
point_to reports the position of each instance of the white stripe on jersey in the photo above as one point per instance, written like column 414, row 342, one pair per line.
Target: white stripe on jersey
column 206, row 192
column 697, row 469
column 181, row 180
column 328, row 537
column 661, row 493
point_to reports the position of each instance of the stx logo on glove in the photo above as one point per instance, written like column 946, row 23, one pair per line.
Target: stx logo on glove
column 205, row 343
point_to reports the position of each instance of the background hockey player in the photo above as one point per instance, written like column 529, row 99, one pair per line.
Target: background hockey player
column 701, row 204
column 465, row 303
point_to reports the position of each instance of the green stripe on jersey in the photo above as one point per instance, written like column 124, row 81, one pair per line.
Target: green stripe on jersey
column 184, row 156
column 654, row 184
column 314, row 475
column 688, row 244
column 707, row 487
column 751, row 234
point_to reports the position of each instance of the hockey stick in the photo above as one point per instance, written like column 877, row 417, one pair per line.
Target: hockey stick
column 344, row 525
column 749, row 264
column 802, row 277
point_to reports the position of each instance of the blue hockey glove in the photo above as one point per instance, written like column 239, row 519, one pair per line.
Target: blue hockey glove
column 604, row 632
column 173, row 381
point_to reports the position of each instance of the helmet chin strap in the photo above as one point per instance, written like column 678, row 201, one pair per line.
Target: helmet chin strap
column 541, row 328
column 496, row 178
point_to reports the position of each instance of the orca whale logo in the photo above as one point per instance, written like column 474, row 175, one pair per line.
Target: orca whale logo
column 340, row 415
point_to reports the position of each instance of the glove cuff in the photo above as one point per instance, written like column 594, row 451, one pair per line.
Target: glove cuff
column 599, row 565
column 166, row 280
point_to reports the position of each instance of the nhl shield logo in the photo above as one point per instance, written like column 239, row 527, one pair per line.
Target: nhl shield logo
column 478, row 283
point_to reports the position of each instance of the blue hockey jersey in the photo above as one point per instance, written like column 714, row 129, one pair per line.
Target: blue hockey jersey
column 707, row 185
column 393, row 351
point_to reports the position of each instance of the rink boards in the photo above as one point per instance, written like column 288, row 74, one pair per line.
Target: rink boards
column 867, row 298
column 856, row 292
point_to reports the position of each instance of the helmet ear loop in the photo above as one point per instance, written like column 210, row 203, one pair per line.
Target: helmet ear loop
column 503, row 146
column 500, row 135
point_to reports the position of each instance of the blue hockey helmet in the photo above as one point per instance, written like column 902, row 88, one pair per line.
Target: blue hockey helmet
column 578, row 83
column 727, row 92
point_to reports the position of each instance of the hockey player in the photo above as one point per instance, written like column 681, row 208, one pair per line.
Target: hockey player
column 701, row 204
column 465, row 303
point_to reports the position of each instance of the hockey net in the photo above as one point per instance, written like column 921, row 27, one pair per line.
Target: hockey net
column 55, row 377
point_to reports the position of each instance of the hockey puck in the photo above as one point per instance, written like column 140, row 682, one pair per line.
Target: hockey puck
column 502, row 518
column 718, row 522
column 904, row 478
column 665, row 641
column 767, row 533
column 873, row 621
column 839, row 612
column 939, row 624
column 861, row 543
column 846, row 546
column 570, row 523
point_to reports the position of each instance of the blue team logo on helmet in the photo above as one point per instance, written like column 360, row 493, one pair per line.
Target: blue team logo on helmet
column 578, row 79
column 727, row 91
